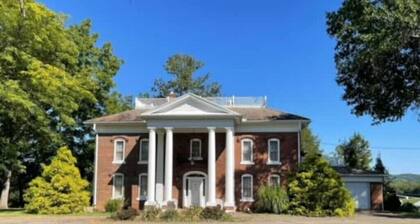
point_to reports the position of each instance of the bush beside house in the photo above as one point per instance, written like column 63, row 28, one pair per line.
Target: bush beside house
column 272, row 199
column 60, row 188
column 317, row 190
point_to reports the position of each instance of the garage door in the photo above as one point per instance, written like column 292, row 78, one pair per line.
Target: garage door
column 361, row 193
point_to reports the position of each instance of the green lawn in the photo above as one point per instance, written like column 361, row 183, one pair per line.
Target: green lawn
column 21, row 212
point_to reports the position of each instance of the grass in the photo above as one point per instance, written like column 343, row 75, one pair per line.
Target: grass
column 410, row 215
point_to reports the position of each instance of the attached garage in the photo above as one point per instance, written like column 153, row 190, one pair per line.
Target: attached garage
column 366, row 187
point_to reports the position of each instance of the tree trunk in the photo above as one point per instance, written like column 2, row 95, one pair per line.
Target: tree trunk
column 4, row 198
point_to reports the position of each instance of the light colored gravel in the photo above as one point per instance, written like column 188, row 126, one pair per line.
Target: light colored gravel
column 239, row 218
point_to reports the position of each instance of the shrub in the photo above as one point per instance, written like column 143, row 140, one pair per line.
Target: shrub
column 272, row 199
column 192, row 214
column 170, row 215
column 125, row 214
column 391, row 201
column 408, row 207
column 114, row 205
column 317, row 190
column 151, row 214
column 213, row 213
column 60, row 188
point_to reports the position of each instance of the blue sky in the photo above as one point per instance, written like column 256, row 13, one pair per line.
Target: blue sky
column 278, row 49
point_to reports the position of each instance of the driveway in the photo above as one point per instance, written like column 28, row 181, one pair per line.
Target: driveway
column 240, row 218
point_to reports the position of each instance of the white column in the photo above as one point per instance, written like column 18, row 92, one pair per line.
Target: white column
column 168, row 165
column 159, row 167
column 151, row 168
column 211, row 168
column 230, row 170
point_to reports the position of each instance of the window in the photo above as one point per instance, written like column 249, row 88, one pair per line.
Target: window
column 247, row 188
column 273, row 151
column 274, row 180
column 247, row 148
column 195, row 149
column 118, row 186
column 144, row 151
column 143, row 186
column 119, row 150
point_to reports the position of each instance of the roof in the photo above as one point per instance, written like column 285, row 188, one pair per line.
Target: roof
column 146, row 108
column 250, row 114
column 347, row 171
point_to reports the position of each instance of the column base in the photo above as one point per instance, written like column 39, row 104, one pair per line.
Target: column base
column 211, row 204
column 169, row 205
column 229, row 207
column 150, row 204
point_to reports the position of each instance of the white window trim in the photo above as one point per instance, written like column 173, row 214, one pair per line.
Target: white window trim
column 113, row 185
column 141, row 160
column 250, row 199
column 115, row 151
column 191, row 145
column 246, row 162
column 270, row 161
column 274, row 175
column 141, row 197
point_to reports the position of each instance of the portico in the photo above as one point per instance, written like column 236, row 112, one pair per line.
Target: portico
column 184, row 115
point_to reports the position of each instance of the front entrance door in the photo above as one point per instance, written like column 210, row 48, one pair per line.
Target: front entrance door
column 196, row 191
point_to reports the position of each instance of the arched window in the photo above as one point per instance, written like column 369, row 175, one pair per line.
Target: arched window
column 195, row 149
column 247, row 146
column 119, row 151
column 143, row 151
column 273, row 151
column 247, row 188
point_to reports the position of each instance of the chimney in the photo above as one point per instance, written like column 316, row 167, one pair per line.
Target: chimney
column 171, row 96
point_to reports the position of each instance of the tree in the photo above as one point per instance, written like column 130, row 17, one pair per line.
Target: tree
column 52, row 78
column 378, row 56
column 309, row 142
column 60, row 189
column 355, row 153
column 183, row 68
column 379, row 166
column 317, row 190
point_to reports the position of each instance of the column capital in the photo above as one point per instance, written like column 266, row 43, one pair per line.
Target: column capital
column 169, row 128
column 151, row 128
column 229, row 128
column 211, row 128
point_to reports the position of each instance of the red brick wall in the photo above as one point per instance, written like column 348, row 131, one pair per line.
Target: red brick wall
column 260, row 170
column 376, row 194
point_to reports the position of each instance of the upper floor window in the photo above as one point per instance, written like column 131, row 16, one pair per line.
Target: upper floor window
column 118, row 186
column 274, row 180
column 273, row 151
column 143, row 186
column 247, row 146
column 195, row 149
column 144, row 151
column 247, row 188
column 119, row 151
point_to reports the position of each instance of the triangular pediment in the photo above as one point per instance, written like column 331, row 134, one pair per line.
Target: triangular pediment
column 189, row 105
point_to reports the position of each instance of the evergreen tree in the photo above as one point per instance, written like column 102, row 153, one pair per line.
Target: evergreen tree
column 309, row 142
column 317, row 190
column 355, row 153
column 60, row 188
column 183, row 68
column 379, row 166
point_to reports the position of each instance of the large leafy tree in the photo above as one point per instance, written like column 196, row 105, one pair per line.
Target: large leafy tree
column 378, row 56
column 60, row 189
column 51, row 79
column 355, row 152
column 309, row 142
column 183, row 68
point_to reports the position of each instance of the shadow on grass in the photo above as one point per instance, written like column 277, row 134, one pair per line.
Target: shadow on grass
column 400, row 215
column 21, row 212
